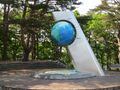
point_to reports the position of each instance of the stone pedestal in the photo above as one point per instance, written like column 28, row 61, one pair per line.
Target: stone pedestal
column 61, row 75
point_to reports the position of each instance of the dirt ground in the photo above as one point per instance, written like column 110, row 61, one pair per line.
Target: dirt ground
column 22, row 80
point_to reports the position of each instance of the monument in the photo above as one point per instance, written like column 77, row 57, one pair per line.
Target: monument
column 67, row 32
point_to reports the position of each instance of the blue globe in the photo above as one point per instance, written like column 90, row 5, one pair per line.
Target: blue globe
column 63, row 33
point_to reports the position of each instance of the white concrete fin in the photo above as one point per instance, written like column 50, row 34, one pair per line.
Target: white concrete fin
column 83, row 57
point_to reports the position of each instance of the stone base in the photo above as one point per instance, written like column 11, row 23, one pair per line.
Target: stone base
column 61, row 74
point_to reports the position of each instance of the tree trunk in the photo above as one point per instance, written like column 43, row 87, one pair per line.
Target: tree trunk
column 26, row 55
column 118, row 46
column 5, row 32
column 28, row 44
column 118, row 50
column 37, row 47
column 23, row 38
column 118, row 41
column 33, row 37
column 58, row 53
column 34, row 48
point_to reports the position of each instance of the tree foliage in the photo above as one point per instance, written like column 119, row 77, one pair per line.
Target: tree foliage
column 104, row 39
column 112, row 9
column 25, row 30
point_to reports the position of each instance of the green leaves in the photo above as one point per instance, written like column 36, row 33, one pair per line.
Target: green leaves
column 29, row 29
column 112, row 8
column 102, row 37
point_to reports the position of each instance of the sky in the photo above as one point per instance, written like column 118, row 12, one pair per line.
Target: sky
column 88, row 4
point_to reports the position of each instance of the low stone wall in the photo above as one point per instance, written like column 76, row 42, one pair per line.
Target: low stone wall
column 30, row 65
column 10, row 88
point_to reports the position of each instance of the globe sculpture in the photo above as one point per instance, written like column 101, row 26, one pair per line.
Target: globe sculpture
column 63, row 33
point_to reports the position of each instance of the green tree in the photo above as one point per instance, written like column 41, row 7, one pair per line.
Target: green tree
column 38, row 11
column 7, row 6
column 25, row 29
column 112, row 8
column 102, row 39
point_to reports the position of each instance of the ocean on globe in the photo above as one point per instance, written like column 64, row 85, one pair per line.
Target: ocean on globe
column 63, row 33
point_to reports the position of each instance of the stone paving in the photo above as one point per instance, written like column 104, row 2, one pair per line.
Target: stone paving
column 22, row 80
